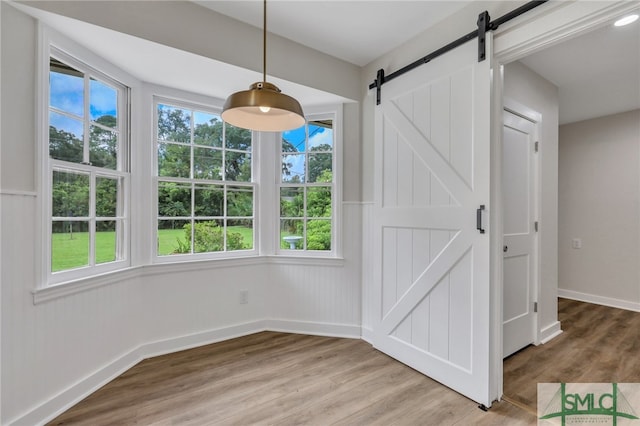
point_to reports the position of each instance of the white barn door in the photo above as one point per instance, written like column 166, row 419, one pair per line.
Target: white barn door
column 431, row 286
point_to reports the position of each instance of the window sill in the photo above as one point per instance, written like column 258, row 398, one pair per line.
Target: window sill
column 305, row 260
column 63, row 289
column 69, row 288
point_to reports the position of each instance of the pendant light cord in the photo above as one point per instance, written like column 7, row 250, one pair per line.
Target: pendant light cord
column 264, row 41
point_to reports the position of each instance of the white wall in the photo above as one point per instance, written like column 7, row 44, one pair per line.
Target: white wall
column 57, row 351
column 599, row 191
column 529, row 89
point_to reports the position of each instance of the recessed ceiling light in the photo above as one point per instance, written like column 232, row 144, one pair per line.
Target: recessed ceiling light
column 626, row 20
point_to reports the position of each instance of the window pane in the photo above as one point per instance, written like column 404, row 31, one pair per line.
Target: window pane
column 106, row 197
column 294, row 140
column 319, row 235
column 65, row 138
column 208, row 236
column 174, row 124
column 207, row 163
column 293, row 168
column 209, row 200
column 174, row 237
column 174, row 160
column 320, row 166
column 66, row 88
column 240, row 234
column 103, row 148
column 174, row 199
column 238, row 166
column 70, row 194
column 239, row 201
column 208, row 129
column 320, row 135
column 103, row 103
column 292, row 202
column 319, row 201
column 291, row 231
column 106, row 238
column 237, row 138
column 69, row 245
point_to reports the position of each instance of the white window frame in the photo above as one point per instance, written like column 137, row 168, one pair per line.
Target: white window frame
column 52, row 44
column 334, row 113
column 195, row 103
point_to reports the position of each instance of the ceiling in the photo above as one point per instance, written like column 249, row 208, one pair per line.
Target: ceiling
column 355, row 31
column 597, row 73
column 165, row 66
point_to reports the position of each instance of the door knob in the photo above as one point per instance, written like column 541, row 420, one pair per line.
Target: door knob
column 505, row 248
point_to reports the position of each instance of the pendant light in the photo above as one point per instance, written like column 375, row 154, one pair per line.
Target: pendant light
column 263, row 107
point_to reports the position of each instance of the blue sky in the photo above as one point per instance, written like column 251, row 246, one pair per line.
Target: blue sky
column 318, row 135
column 66, row 93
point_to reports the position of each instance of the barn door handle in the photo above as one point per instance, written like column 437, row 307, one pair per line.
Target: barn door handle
column 479, row 219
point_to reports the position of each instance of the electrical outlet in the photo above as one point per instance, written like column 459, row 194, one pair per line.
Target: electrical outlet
column 244, row 297
column 576, row 243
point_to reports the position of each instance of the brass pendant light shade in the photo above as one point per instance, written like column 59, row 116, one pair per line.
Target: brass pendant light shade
column 263, row 107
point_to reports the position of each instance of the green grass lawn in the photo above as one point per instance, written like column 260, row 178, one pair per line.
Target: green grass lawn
column 73, row 252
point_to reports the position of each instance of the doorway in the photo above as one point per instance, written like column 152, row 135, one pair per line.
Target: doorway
column 520, row 146
column 548, row 328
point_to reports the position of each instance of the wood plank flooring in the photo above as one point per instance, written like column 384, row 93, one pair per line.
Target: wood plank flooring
column 284, row 379
column 288, row 379
column 598, row 344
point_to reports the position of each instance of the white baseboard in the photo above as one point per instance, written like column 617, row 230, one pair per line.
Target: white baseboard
column 314, row 328
column 550, row 332
column 181, row 343
column 367, row 335
column 80, row 390
column 599, row 300
column 74, row 394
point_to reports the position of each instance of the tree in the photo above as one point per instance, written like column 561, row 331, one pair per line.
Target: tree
column 103, row 143
column 64, row 145
column 174, row 200
column 286, row 167
column 320, row 161
column 174, row 124
column 70, row 198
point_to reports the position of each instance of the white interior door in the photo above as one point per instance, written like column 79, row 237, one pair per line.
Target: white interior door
column 431, row 288
column 519, row 216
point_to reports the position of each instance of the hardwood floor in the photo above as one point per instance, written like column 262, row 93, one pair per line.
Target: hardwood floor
column 598, row 344
column 283, row 379
column 286, row 379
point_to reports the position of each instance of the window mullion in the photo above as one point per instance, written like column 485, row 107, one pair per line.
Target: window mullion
column 92, row 219
column 225, row 212
column 224, row 153
column 193, row 217
column 86, row 122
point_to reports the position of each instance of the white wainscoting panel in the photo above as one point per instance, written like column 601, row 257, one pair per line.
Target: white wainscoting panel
column 56, row 352
column 367, row 271
column 322, row 294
